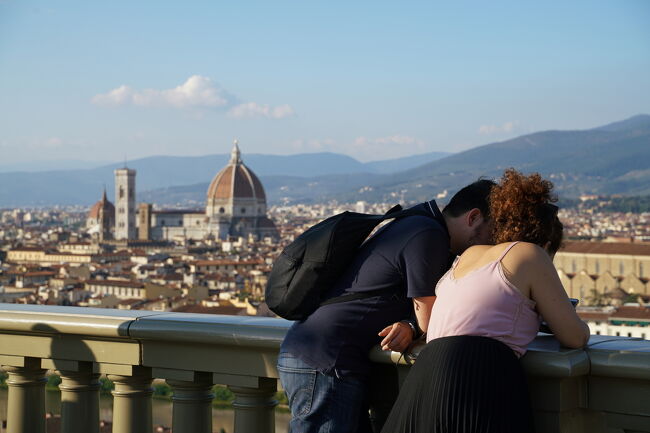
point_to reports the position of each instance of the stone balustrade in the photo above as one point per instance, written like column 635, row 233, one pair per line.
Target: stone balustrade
column 602, row 389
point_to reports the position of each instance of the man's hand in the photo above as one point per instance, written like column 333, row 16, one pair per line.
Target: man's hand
column 397, row 337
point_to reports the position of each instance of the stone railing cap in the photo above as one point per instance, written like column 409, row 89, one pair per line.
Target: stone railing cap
column 48, row 319
column 211, row 329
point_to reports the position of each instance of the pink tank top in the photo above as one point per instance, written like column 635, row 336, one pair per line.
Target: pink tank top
column 484, row 303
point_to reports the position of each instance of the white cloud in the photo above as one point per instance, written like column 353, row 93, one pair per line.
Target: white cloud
column 119, row 96
column 253, row 109
column 196, row 91
column 507, row 127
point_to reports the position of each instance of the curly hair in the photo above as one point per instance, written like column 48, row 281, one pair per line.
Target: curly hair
column 522, row 210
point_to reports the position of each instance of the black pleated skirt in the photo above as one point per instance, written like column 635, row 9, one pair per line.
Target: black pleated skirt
column 463, row 384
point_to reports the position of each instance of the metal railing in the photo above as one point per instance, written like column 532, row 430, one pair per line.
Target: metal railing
column 605, row 388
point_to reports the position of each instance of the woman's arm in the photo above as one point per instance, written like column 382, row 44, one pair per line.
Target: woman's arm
column 422, row 307
column 553, row 303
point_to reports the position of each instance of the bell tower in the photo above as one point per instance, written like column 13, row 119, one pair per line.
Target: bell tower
column 125, row 203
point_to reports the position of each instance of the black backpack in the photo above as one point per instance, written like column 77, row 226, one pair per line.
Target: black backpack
column 309, row 266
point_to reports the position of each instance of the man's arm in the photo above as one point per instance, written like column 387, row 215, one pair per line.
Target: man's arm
column 399, row 335
column 423, row 260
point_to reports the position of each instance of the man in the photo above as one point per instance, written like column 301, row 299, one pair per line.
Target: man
column 323, row 362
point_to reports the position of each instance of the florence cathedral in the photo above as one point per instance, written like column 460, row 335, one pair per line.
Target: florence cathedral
column 235, row 206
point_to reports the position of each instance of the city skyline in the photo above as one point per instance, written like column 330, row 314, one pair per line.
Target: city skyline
column 374, row 81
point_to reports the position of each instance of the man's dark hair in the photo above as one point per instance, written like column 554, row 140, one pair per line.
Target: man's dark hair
column 475, row 195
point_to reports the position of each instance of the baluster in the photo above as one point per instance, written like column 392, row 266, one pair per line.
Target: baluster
column 132, row 402
column 26, row 405
column 254, row 407
column 80, row 400
column 192, row 404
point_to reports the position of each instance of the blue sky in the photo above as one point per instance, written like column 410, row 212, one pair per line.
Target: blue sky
column 99, row 81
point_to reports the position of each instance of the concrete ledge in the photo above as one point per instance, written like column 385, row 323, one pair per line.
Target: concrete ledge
column 604, row 388
column 99, row 322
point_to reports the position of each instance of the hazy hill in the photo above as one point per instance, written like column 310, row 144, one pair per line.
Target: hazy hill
column 399, row 164
column 64, row 186
column 612, row 159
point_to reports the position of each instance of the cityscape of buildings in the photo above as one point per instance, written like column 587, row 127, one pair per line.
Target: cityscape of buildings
column 131, row 255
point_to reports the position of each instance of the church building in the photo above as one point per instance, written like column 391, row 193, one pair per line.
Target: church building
column 235, row 206
column 101, row 219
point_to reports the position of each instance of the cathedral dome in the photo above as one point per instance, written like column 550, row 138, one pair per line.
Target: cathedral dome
column 107, row 206
column 235, row 181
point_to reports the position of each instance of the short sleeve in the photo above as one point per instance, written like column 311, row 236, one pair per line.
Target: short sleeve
column 424, row 260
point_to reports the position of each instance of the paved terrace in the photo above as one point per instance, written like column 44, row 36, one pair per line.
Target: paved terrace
column 603, row 389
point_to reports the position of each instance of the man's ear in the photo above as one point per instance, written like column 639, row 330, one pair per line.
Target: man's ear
column 474, row 217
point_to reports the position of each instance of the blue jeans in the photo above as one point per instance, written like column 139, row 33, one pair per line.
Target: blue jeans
column 321, row 403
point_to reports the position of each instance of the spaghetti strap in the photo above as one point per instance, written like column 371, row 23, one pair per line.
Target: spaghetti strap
column 506, row 250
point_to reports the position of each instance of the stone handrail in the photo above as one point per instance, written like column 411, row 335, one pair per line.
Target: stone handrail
column 604, row 388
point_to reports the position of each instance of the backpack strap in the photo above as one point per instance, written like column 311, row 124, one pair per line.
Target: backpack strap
column 358, row 295
column 395, row 212
column 398, row 212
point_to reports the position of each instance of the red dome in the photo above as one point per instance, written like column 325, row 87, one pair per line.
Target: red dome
column 109, row 209
column 236, row 181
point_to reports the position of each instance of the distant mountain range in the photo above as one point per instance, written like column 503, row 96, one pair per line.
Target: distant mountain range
column 611, row 159
column 63, row 186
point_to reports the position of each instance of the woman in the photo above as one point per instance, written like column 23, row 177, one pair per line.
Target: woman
column 468, row 378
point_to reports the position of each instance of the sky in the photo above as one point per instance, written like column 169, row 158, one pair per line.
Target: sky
column 105, row 81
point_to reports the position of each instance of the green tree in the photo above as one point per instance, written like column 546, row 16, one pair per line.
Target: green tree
column 106, row 386
column 222, row 394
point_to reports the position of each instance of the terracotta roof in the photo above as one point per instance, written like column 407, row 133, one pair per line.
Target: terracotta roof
column 221, row 184
column 631, row 312
column 222, row 309
column 594, row 315
column 28, row 249
column 108, row 207
column 116, row 283
column 228, row 262
column 242, row 183
column 636, row 249
column 39, row 274
column 236, row 180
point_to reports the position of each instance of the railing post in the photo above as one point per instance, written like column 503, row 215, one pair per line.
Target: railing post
column 254, row 407
column 192, row 405
column 26, row 405
column 80, row 400
column 132, row 402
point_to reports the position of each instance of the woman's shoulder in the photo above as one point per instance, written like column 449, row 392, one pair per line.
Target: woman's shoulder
column 498, row 249
column 524, row 253
column 516, row 249
column 519, row 252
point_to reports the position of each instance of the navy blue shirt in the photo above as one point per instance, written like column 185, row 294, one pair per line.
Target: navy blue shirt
column 408, row 255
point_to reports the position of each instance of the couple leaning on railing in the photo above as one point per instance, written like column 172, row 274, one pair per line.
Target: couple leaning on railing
column 479, row 311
